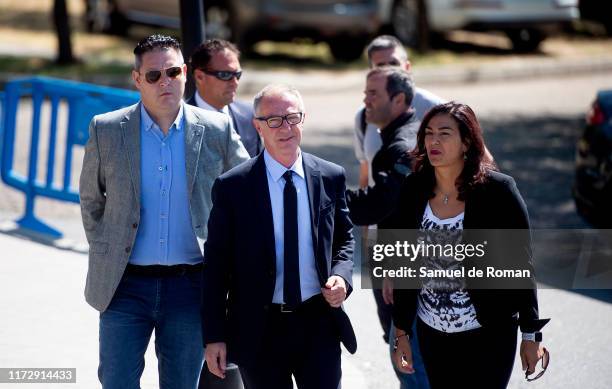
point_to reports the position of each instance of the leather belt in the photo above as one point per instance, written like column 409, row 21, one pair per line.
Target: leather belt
column 315, row 303
column 161, row 270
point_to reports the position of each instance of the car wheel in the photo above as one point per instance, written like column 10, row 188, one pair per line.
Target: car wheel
column 525, row 40
column 409, row 23
column 103, row 16
column 347, row 48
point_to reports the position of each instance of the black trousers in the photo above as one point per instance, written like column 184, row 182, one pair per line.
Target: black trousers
column 482, row 358
column 303, row 344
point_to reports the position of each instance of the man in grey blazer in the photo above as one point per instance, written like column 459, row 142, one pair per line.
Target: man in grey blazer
column 145, row 198
column 216, row 72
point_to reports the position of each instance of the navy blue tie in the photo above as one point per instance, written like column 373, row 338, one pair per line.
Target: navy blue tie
column 291, row 285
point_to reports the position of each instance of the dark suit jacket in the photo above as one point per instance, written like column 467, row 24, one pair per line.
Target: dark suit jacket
column 240, row 265
column 372, row 205
column 242, row 119
column 494, row 207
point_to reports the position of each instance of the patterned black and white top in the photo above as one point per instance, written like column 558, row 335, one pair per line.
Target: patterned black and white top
column 443, row 303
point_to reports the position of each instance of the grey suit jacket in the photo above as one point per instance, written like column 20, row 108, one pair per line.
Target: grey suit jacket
column 110, row 186
column 242, row 118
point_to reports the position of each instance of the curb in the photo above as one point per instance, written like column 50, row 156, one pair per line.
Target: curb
column 324, row 81
column 428, row 75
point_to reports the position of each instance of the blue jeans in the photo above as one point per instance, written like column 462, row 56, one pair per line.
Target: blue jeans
column 417, row 380
column 168, row 305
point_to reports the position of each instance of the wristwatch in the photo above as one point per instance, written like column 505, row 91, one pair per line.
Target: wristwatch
column 533, row 336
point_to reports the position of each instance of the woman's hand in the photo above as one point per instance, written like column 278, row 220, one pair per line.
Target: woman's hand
column 402, row 356
column 531, row 352
column 387, row 290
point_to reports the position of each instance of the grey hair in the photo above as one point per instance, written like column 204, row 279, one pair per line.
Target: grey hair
column 277, row 90
column 386, row 42
column 398, row 81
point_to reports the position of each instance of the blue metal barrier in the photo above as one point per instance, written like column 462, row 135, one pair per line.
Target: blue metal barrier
column 1, row 121
column 83, row 101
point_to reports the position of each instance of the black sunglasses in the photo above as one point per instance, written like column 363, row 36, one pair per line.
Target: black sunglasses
column 152, row 76
column 224, row 75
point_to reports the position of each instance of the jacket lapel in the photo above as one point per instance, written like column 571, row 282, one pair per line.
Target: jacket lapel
column 313, row 184
column 194, row 133
column 130, row 131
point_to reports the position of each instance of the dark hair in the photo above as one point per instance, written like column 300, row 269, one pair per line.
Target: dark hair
column 204, row 52
column 386, row 42
column 398, row 81
column 477, row 162
column 154, row 42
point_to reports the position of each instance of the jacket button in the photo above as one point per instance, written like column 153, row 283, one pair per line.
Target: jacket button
column 135, row 225
column 271, row 272
column 266, row 307
column 127, row 249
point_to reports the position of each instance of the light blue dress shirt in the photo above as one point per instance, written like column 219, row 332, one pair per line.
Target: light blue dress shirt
column 165, row 234
column 309, row 280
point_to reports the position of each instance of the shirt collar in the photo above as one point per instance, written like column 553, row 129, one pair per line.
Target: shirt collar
column 204, row 105
column 277, row 170
column 148, row 123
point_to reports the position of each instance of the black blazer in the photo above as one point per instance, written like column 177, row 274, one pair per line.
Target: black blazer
column 240, row 265
column 495, row 205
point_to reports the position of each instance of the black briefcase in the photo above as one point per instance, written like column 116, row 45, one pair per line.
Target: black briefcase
column 232, row 380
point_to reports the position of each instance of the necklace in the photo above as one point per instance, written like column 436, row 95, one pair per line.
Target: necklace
column 445, row 199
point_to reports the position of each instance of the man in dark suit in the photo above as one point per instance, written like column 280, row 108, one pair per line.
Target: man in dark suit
column 216, row 71
column 273, row 286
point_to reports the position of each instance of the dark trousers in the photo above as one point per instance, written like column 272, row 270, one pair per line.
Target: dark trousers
column 482, row 358
column 302, row 344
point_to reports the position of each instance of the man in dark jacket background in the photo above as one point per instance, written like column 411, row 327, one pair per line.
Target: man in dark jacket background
column 388, row 98
column 388, row 105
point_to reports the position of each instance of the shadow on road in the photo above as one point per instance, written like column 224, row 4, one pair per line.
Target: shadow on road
column 539, row 153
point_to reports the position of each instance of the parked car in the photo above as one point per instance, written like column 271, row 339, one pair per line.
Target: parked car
column 593, row 183
column 525, row 22
column 345, row 25
column 599, row 11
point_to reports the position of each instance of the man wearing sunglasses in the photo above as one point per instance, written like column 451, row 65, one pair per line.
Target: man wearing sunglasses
column 279, row 259
column 216, row 71
column 145, row 198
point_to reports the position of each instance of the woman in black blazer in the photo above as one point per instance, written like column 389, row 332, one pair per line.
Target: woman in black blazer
column 467, row 330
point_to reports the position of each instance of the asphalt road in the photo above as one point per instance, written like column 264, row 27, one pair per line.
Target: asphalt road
column 530, row 127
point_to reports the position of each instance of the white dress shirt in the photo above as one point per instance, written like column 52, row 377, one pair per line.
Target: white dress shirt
column 309, row 280
column 204, row 105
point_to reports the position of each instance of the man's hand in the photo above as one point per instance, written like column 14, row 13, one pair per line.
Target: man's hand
column 387, row 291
column 334, row 291
column 215, row 358
column 531, row 353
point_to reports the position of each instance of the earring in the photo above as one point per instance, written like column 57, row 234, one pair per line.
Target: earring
column 464, row 156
